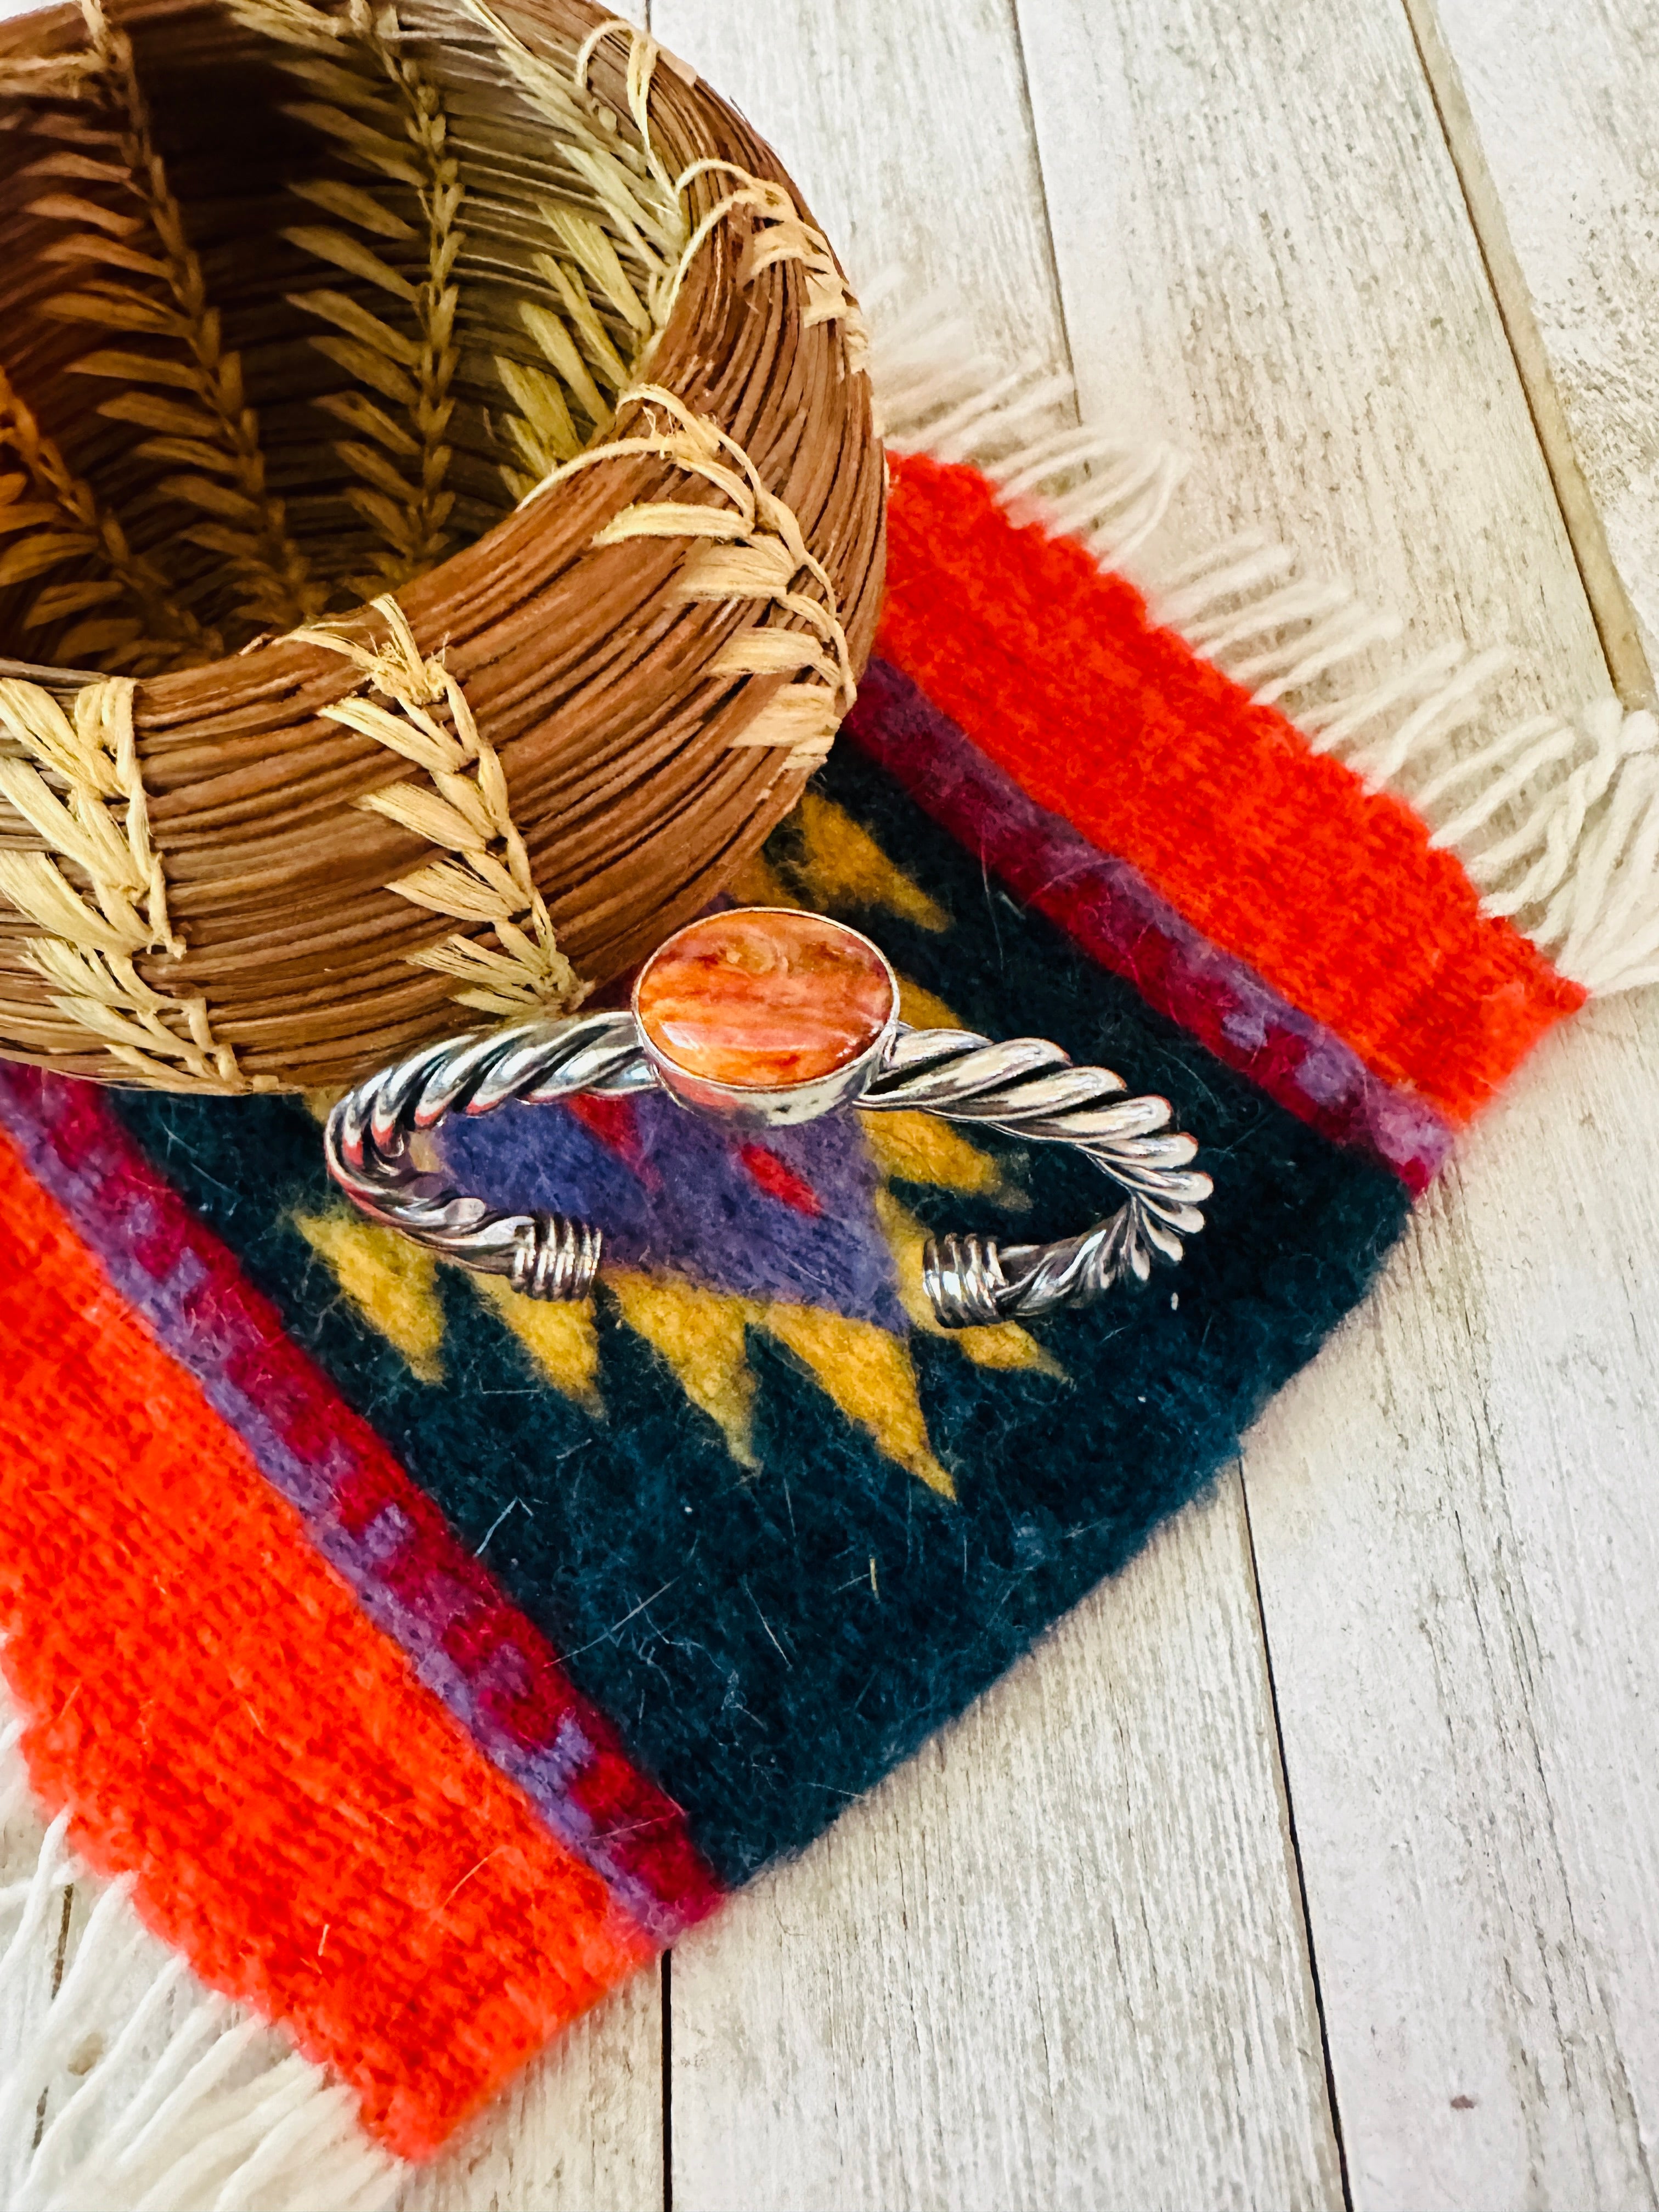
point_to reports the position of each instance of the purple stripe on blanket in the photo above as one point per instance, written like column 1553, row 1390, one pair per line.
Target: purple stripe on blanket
column 1110, row 912
column 416, row 1585
column 676, row 1193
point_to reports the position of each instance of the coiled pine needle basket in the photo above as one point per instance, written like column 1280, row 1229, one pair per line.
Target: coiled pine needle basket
column 440, row 523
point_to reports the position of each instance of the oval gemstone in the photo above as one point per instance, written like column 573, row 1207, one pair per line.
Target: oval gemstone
column 761, row 999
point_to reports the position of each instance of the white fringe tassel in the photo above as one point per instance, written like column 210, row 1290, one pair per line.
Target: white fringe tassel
column 1022, row 432
column 134, row 2089
column 1556, row 819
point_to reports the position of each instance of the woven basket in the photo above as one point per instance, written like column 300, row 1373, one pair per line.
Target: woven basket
column 307, row 306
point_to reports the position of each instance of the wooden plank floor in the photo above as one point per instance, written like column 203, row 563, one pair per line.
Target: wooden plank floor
column 1316, row 1860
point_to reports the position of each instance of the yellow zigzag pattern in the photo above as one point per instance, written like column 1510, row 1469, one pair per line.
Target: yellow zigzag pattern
column 393, row 1283
column 702, row 1334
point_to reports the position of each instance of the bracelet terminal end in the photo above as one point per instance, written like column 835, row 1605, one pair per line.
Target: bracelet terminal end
column 555, row 1257
column 962, row 1277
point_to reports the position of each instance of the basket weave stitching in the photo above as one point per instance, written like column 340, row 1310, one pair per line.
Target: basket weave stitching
column 760, row 552
column 646, row 224
column 643, row 55
column 635, row 190
column 387, row 115
column 468, row 814
column 782, row 234
column 67, row 522
column 88, row 951
column 506, row 335
column 205, row 424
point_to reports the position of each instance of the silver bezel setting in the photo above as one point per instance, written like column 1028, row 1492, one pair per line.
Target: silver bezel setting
column 783, row 1106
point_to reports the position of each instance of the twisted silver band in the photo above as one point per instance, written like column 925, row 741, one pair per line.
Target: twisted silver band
column 1025, row 1088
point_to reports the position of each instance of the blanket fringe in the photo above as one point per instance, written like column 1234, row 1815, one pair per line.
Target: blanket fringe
column 133, row 2085
column 1556, row 819
column 1021, row 431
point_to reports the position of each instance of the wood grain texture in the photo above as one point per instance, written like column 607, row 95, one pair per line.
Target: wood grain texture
column 1060, row 1959
column 914, row 133
column 890, row 2051
column 24, row 2003
column 1263, row 252
column 1264, row 256
column 1051, row 1963
column 1558, row 104
column 580, row 2129
column 1453, row 1688
column 1459, row 1550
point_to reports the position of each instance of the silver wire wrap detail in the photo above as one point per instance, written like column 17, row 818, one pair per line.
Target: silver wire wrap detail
column 368, row 1143
column 1026, row 1088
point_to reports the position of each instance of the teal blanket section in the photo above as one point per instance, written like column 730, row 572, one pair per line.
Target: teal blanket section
column 778, row 1528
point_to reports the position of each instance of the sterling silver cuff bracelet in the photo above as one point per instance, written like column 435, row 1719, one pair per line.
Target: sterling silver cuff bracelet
column 762, row 1017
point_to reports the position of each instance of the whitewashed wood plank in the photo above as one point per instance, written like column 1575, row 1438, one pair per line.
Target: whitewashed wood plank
column 1264, row 255
column 1048, row 1963
column 908, row 2078
column 24, row 1999
column 1458, row 1590
column 907, row 130
column 580, row 2129
column 1549, row 106
column 1459, row 1546
column 1268, row 493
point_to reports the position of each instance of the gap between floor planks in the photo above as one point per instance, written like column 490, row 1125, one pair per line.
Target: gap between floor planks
column 1616, row 622
column 1560, row 99
column 1484, row 1945
column 779, row 2142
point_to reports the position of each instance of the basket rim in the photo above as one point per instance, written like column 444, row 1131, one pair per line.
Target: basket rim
column 58, row 28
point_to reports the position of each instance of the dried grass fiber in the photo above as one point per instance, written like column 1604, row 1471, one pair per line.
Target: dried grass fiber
column 445, row 439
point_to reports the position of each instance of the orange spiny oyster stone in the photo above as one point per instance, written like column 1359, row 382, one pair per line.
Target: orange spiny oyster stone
column 761, row 999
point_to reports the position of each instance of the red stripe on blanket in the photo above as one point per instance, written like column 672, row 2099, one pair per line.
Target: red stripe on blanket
column 306, row 1822
column 487, row 1662
column 1275, row 852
